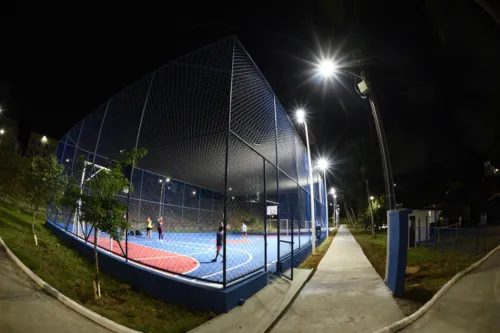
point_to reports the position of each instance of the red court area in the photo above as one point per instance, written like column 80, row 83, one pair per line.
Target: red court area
column 169, row 261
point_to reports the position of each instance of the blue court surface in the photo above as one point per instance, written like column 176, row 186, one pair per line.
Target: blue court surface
column 191, row 254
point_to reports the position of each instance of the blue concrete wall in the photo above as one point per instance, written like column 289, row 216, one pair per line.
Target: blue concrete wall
column 398, row 250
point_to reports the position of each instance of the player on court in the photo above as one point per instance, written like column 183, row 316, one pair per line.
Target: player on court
column 219, row 240
column 160, row 227
column 244, row 230
column 149, row 227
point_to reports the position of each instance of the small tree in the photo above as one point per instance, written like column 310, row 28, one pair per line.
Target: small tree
column 43, row 184
column 99, row 205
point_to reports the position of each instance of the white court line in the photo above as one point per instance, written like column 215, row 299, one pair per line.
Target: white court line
column 178, row 255
column 230, row 269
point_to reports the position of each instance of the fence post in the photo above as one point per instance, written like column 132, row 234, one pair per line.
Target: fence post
column 265, row 216
column 477, row 240
column 418, row 228
column 292, row 245
column 435, row 236
column 228, row 130
column 426, row 231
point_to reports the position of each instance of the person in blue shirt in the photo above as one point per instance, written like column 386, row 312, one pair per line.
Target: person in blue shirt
column 219, row 241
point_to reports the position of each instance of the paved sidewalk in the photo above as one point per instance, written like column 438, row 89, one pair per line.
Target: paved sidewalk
column 344, row 295
column 260, row 310
column 470, row 305
column 24, row 307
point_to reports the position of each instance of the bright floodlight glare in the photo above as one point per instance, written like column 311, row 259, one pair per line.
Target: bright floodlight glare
column 168, row 180
column 378, row 206
column 372, row 198
column 496, row 170
column 67, row 160
column 335, row 196
column 332, row 191
column 301, row 116
column 2, row 131
column 327, row 68
column 394, row 184
column 161, row 180
column 44, row 139
column 194, row 192
column 322, row 164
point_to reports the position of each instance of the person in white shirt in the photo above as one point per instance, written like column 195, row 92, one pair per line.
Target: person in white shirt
column 244, row 230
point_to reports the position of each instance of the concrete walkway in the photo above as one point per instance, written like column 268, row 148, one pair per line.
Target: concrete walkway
column 260, row 310
column 344, row 295
column 26, row 308
column 471, row 305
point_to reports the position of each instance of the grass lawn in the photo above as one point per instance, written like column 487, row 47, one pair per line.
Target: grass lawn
column 313, row 260
column 71, row 274
column 432, row 269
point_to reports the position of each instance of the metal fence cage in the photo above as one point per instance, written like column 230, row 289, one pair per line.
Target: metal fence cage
column 220, row 145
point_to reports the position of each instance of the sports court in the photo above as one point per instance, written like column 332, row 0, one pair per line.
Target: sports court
column 191, row 254
column 221, row 151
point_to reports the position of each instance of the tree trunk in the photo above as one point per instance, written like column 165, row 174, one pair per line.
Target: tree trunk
column 354, row 218
column 33, row 227
column 97, row 286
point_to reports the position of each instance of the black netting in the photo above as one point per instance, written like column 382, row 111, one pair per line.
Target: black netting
column 218, row 141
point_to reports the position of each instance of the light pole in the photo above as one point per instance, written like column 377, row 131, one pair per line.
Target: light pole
column 334, row 195
column 2, row 132
column 323, row 165
column 301, row 118
column 327, row 68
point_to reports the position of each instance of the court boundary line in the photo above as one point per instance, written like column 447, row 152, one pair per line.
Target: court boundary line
column 234, row 267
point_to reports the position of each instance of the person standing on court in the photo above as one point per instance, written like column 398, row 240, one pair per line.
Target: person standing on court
column 149, row 227
column 218, row 242
column 244, row 230
column 160, row 227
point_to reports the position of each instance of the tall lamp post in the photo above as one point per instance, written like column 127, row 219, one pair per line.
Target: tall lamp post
column 327, row 68
column 323, row 165
column 2, row 132
column 334, row 195
column 301, row 118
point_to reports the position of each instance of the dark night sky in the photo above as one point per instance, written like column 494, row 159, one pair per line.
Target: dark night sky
column 432, row 64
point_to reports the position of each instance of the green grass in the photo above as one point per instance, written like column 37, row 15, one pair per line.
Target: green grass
column 71, row 274
column 436, row 268
column 313, row 260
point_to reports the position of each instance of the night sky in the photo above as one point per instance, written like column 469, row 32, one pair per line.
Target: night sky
column 434, row 67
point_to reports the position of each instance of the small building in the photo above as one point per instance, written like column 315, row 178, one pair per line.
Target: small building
column 40, row 145
column 419, row 224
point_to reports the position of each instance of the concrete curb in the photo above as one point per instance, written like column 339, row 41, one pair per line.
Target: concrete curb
column 399, row 325
column 109, row 324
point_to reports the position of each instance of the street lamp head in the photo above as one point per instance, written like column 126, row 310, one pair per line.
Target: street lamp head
column 394, row 184
column 372, row 198
column 44, row 139
column 301, row 115
column 168, row 180
column 2, row 131
column 161, row 180
column 332, row 191
column 378, row 206
column 327, row 68
column 323, row 164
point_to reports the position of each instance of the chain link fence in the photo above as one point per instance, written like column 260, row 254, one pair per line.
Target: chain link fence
column 220, row 147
